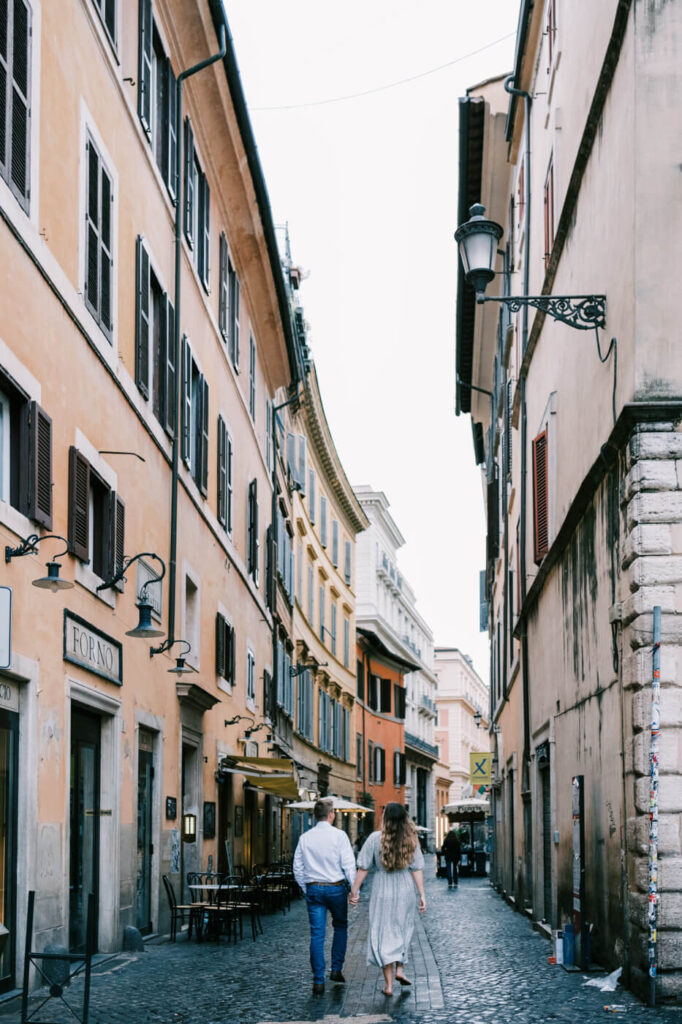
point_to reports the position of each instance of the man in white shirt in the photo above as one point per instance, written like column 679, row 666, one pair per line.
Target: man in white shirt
column 324, row 867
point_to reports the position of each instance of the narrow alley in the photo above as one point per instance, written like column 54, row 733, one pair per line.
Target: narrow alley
column 473, row 961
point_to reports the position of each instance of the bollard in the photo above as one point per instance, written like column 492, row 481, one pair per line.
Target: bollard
column 559, row 947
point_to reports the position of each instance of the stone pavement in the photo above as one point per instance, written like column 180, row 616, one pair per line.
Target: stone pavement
column 473, row 961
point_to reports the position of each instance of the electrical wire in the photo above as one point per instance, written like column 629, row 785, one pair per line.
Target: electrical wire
column 602, row 359
column 389, row 85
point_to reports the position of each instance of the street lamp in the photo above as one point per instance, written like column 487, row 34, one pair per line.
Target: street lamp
column 181, row 667
column 477, row 718
column 145, row 629
column 478, row 239
column 29, row 546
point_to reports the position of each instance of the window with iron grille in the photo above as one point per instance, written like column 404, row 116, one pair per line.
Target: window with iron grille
column 15, row 97
column 99, row 261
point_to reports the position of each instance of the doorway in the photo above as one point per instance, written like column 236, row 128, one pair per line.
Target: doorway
column 84, row 823
column 145, row 845
column 9, row 734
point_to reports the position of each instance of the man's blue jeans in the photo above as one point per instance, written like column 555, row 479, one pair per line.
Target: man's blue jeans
column 451, row 867
column 320, row 899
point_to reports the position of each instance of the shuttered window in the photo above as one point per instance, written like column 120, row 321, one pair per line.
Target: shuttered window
column 493, row 513
column 323, row 521
column 311, row 496
column 224, row 476
column 252, row 531
column 321, row 611
column 155, row 373
column 223, row 292
column 252, row 377
column 250, row 675
column 194, row 425
column 549, row 210
column 224, row 648
column 508, row 406
column 15, row 97
column 346, row 642
column 96, row 519
column 373, row 691
column 157, row 97
column 385, row 692
column 360, row 675
column 98, row 238
column 107, row 12
column 233, row 299
column 347, row 562
column 333, row 629
column 371, row 761
column 399, row 769
column 379, row 764
column 25, row 455
column 335, row 543
column 540, row 496
column 399, row 700
column 346, row 734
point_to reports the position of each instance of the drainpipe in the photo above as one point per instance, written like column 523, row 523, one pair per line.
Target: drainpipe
column 653, row 803
column 179, row 206
column 525, row 775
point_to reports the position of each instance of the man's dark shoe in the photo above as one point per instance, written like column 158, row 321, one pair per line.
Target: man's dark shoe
column 338, row 977
column 318, row 988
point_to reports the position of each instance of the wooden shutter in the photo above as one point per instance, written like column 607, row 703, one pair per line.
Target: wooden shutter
column 540, row 496
column 171, row 372
column 493, row 501
column 228, row 463
column 335, row 543
column 360, row 673
column 190, row 198
column 509, row 396
column 323, row 521
column 105, row 254
column 38, row 501
column 186, row 400
column 386, row 686
column 231, row 653
column 234, row 318
column 222, row 472
column 144, row 67
column 79, row 504
column 15, row 86
column 347, row 567
column 222, row 288
column 399, row 700
column 92, row 214
column 371, row 762
column 252, row 526
column 220, row 646
column 483, row 601
column 202, row 476
column 142, row 318
column 114, row 537
column 205, row 228
column 269, row 575
column 403, row 770
column 172, row 108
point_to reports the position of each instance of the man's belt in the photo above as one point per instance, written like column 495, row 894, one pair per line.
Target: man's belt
column 342, row 882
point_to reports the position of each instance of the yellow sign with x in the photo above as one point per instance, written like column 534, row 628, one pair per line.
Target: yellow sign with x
column 479, row 769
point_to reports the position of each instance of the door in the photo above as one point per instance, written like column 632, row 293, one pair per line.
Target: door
column 9, row 733
column 546, row 844
column 145, row 847
column 84, row 823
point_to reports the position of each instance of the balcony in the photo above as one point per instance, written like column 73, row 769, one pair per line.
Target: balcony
column 419, row 744
column 427, row 706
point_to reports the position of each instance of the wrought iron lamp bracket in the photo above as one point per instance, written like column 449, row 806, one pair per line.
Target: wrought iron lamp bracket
column 120, row 575
column 584, row 312
column 30, row 546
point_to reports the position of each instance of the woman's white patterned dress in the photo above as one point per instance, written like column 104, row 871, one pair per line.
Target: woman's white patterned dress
column 392, row 905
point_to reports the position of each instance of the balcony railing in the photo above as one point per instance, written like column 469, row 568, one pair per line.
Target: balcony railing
column 420, row 744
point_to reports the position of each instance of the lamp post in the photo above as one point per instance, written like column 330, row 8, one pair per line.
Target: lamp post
column 478, row 238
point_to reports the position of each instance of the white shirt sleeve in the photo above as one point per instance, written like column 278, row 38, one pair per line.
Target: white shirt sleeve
column 299, row 867
column 347, row 859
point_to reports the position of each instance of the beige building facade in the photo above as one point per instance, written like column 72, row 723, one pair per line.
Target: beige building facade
column 578, row 439
column 461, row 696
column 136, row 427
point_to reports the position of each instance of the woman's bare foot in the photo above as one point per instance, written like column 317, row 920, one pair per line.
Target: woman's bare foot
column 387, row 991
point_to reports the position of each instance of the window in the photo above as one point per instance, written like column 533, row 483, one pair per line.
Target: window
column 540, row 496
column 323, row 521
column 333, row 629
column 25, row 455
column 335, row 543
column 155, row 373
column 305, row 704
column 399, row 768
column 224, row 648
column 285, row 556
column 301, row 480
column 197, row 207
column 372, row 691
column 15, row 97
column 268, row 434
column 379, row 764
column 359, row 750
column 285, row 679
column 299, row 568
column 324, row 721
column 96, row 519
column 252, row 539
column 549, row 210
column 99, row 197
column 250, row 676
column 252, row 377
column 321, row 609
column 194, row 419
column 360, row 673
column 385, row 694
column 399, row 700
column 521, row 194
column 346, row 562
column 224, row 507
column 311, row 496
column 228, row 311
column 346, row 642
column 346, row 735
column 508, row 407
column 311, row 594
column 510, row 593
column 371, row 761
column 156, row 97
column 153, row 591
column 107, row 12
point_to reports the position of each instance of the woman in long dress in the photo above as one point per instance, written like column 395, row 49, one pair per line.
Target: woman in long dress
column 398, row 862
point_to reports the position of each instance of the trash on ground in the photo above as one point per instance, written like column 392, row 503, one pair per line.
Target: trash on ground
column 607, row 984
column 616, row 1008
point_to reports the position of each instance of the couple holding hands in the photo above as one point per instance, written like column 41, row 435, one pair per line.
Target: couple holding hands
column 324, row 866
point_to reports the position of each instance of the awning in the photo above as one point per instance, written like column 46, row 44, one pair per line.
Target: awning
column 340, row 804
column 467, row 810
column 272, row 775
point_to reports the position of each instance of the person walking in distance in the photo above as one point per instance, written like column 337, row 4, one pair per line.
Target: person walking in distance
column 395, row 855
column 452, row 852
column 324, row 867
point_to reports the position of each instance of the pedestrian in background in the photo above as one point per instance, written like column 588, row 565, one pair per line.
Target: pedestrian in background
column 324, row 867
column 396, row 857
column 452, row 851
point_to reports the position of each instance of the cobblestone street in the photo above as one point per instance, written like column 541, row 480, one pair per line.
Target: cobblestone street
column 474, row 961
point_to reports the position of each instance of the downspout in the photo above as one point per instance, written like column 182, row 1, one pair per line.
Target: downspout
column 179, row 206
column 525, row 774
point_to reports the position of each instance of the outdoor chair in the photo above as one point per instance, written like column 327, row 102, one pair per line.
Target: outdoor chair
column 238, row 899
column 178, row 910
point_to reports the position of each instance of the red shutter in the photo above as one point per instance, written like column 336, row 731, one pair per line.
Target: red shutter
column 39, row 427
column 540, row 496
column 79, row 501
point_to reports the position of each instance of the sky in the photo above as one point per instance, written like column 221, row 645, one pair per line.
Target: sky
column 368, row 188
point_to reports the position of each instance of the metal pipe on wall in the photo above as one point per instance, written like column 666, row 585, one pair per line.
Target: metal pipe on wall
column 653, row 803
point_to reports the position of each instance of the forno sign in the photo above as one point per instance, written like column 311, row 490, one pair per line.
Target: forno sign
column 87, row 646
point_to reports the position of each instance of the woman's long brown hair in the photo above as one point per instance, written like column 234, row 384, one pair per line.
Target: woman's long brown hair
column 398, row 838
